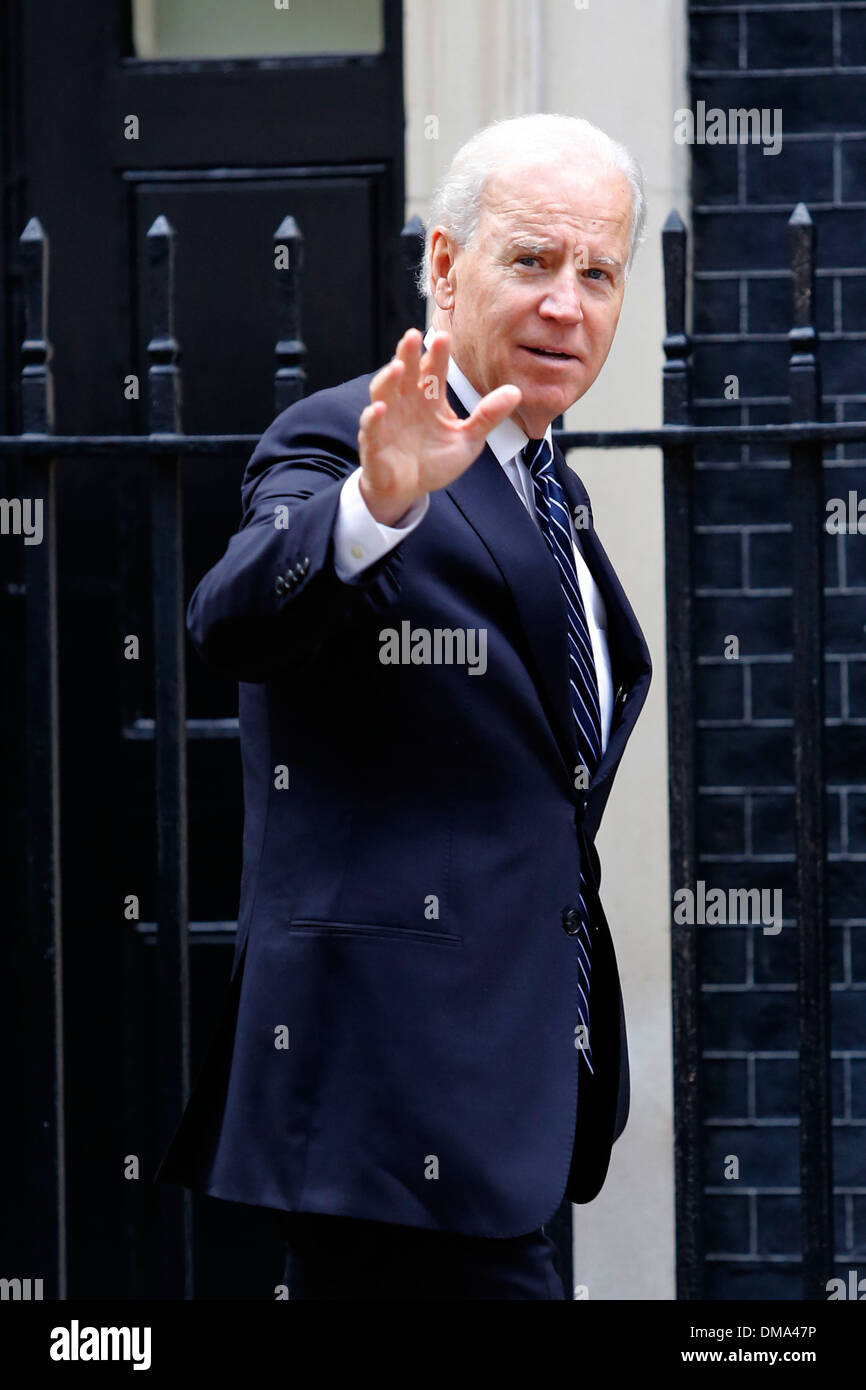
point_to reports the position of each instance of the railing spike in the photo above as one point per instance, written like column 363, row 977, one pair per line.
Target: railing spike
column 163, row 352
column 37, row 384
column 290, row 378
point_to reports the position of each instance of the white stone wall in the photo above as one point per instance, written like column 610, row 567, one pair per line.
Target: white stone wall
column 621, row 64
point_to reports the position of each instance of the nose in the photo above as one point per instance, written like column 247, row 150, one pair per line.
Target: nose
column 563, row 300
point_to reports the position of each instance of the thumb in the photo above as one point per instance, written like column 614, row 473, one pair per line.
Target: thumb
column 491, row 410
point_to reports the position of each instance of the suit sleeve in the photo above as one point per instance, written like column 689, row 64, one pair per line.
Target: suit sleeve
column 275, row 598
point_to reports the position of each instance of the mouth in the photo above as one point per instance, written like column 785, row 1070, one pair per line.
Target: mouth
column 550, row 354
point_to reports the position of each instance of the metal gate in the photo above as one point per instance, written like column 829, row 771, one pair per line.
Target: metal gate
column 38, row 936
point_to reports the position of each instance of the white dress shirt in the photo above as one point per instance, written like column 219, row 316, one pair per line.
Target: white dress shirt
column 360, row 540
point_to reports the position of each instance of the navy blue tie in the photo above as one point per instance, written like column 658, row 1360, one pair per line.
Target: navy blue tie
column 552, row 509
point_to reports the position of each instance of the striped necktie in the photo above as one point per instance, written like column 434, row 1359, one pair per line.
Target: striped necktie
column 553, row 515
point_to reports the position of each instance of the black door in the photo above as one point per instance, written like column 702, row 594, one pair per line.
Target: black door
column 225, row 120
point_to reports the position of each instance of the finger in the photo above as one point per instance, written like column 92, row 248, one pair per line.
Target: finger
column 385, row 384
column 491, row 410
column 434, row 363
column 409, row 353
column 370, row 417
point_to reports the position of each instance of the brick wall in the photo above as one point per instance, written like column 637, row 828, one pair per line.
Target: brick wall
column 809, row 60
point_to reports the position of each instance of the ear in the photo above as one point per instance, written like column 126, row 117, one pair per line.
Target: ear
column 442, row 258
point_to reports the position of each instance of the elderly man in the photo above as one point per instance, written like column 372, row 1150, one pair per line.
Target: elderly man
column 424, row 1046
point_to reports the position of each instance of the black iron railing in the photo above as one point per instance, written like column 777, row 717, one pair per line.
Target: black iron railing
column 40, row 451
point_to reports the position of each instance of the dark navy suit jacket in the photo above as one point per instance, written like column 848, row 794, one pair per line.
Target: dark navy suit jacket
column 398, row 1042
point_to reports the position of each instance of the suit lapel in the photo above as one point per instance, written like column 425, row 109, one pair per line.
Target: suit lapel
column 490, row 504
column 629, row 654
column 624, row 634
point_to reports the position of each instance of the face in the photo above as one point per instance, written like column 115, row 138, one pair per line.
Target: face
column 545, row 275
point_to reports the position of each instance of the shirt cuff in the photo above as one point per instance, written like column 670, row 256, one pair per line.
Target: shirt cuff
column 359, row 539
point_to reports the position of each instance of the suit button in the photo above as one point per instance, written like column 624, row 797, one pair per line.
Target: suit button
column 298, row 573
column 280, row 584
column 305, row 564
column 571, row 920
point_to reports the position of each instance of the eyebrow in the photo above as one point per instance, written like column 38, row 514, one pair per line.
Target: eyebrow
column 527, row 244
column 537, row 248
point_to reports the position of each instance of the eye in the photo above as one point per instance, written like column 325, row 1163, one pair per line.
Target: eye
column 598, row 270
column 527, row 257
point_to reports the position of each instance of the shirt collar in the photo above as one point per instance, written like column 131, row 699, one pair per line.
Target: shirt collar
column 508, row 438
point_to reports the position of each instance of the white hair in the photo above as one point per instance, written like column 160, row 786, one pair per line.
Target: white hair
column 458, row 199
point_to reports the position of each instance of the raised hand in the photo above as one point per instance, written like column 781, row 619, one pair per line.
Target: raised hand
column 410, row 441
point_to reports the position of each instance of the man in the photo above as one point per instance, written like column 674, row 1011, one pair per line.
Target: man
column 424, row 1047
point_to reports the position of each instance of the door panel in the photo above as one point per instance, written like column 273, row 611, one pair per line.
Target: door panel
column 225, row 147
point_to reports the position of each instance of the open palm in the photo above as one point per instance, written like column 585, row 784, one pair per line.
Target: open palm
column 410, row 441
